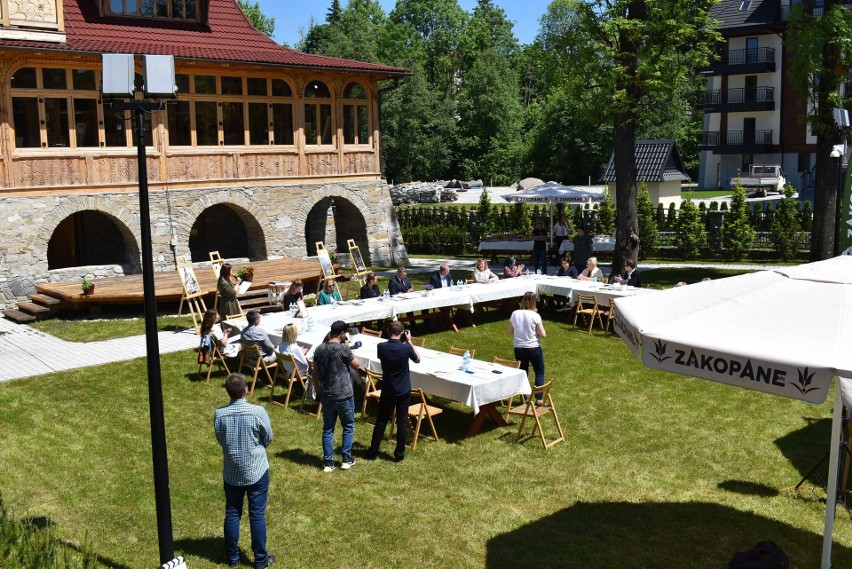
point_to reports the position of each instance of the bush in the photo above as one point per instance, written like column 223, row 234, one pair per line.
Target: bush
column 671, row 219
column 519, row 219
column 785, row 225
column 436, row 239
column 484, row 217
column 806, row 217
column 737, row 232
column 660, row 217
column 647, row 223
column 691, row 236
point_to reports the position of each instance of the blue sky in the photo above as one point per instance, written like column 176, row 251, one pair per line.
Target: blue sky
column 290, row 15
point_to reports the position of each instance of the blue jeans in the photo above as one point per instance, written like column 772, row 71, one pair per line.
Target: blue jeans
column 535, row 357
column 540, row 260
column 331, row 410
column 257, row 495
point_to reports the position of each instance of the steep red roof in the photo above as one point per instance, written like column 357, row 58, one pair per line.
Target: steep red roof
column 228, row 37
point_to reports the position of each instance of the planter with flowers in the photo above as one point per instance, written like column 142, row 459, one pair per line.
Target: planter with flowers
column 428, row 288
column 87, row 286
column 246, row 273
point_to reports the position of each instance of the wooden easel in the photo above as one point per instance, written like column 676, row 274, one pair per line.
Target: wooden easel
column 325, row 265
column 193, row 296
column 360, row 270
column 216, row 262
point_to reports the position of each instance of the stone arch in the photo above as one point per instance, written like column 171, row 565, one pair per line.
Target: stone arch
column 348, row 221
column 252, row 217
column 126, row 222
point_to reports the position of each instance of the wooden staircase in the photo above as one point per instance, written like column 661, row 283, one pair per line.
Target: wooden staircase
column 38, row 307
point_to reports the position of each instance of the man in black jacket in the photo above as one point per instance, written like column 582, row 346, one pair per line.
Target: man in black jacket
column 399, row 283
column 443, row 278
column 630, row 276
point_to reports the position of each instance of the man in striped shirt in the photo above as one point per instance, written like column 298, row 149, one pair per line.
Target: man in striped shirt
column 244, row 431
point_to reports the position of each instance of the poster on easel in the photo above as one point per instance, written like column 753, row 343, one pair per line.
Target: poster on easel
column 325, row 261
column 216, row 261
column 192, row 295
column 358, row 265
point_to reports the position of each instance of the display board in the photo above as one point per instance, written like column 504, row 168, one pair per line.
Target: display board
column 192, row 293
column 358, row 265
column 325, row 261
column 216, row 261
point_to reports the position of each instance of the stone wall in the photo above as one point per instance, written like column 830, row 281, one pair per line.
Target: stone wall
column 277, row 218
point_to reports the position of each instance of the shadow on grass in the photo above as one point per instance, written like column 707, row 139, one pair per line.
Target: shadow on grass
column 210, row 548
column 626, row 535
column 748, row 488
column 806, row 446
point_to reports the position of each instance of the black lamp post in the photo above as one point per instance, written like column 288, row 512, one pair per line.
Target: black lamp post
column 837, row 156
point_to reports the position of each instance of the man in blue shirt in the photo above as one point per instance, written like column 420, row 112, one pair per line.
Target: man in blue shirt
column 254, row 334
column 443, row 278
column 244, row 431
column 396, row 388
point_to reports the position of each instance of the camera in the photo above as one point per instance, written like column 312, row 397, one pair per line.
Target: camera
column 404, row 336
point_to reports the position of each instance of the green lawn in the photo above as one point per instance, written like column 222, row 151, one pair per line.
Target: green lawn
column 657, row 470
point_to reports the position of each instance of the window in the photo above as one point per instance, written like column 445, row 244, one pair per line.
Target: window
column 356, row 123
column 180, row 127
column 206, row 122
column 86, row 122
column 318, row 127
column 751, row 50
column 25, row 117
column 258, row 123
column 172, row 9
column 233, row 123
column 282, row 124
column 745, row 5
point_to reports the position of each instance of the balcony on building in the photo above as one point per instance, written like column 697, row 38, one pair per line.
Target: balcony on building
column 32, row 20
column 737, row 142
column 738, row 100
column 743, row 61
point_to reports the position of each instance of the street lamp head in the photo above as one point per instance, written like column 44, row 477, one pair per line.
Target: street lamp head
column 836, row 153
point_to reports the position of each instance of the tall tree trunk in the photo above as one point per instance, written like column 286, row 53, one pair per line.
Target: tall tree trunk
column 824, row 229
column 624, row 142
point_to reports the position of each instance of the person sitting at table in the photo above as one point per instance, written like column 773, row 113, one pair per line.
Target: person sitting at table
column 228, row 305
column 396, row 389
column 630, row 276
column 328, row 293
column 289, row 346
column 371, row 287
column 591, row 272
column 443, row 278
column 219, row 334
column 293, row 294
column 511, row 268
column 567, row 270
column 399, row 283
column 482, row 274
column 254, row 335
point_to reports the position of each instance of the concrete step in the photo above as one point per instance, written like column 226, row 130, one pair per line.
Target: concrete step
column 18, row 316
column 34, row 309
column 45, row 300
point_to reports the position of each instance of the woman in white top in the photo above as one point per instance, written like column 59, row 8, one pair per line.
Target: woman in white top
column 526, row 327
column 289, row 346
column 482, row 274
column 591, row 272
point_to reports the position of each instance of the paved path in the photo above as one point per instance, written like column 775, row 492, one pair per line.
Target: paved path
column 25, row 351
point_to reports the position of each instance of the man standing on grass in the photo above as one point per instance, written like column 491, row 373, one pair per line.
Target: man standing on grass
column 539, row 256
column 244, row 431
column 333, row 358
column 396, row 388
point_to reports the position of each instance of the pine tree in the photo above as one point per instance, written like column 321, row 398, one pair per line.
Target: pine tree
column 785, row 226
column 484, row 216
column 691, row 235
column 737, row 232
column 647, row 224
column 606, row 215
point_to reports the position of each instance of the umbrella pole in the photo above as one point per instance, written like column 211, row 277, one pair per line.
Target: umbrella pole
column 832, row 478
column 551, row 225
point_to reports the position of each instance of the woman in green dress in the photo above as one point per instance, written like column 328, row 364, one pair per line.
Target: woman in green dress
column 228, row 305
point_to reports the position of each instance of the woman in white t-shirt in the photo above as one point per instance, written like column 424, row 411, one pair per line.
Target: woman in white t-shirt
column 289, row 346
column 482, row 274
column 210, row 325
column 526, row 327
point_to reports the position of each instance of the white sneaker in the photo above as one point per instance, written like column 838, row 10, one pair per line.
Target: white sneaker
column 330, row 467
column 347, row 465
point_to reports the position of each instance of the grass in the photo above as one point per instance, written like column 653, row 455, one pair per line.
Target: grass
column 74, row 328
column 657, row 470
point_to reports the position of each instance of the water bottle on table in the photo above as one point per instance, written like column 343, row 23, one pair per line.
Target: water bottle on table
column 466, row 361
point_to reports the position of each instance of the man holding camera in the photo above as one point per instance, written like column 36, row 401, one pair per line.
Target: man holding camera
column 333, row 358
column 396, row 388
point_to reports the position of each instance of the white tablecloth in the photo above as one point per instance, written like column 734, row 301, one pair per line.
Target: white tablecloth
column 600, row 243
column 438, row 374
column 506, row 245
column 568, row 287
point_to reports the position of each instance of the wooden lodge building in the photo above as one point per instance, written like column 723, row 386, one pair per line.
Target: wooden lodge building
column 265, row 151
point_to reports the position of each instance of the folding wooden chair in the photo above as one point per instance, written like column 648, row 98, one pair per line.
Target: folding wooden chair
column 420, row 409
column 370, row 332
column 311, row 377
column 587, row 305
column 212, row 356
column 460, row 351
column 610, row 315
column 287, row 367
column 252, row 358
column 371, row 389
column 508, row 363
column 530, row 409
column 419, row 342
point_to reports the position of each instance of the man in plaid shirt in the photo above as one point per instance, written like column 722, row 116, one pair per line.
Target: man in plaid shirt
column 244, row 431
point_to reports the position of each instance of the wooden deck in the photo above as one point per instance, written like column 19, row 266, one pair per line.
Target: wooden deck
column 168, row 287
